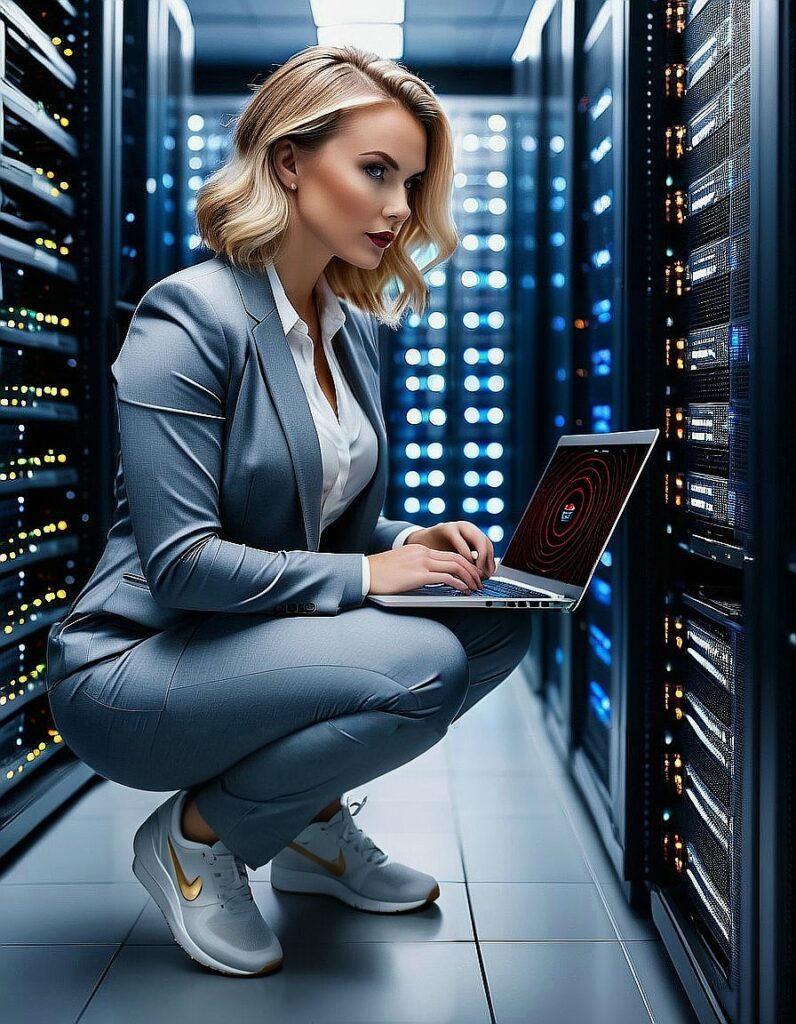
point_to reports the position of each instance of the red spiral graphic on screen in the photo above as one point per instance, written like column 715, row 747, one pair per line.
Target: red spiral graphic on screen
column 573, row 510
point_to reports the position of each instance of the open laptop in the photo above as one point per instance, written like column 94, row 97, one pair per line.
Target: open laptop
column 563, row 532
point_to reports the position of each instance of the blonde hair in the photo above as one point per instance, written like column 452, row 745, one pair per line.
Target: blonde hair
column 242, row 210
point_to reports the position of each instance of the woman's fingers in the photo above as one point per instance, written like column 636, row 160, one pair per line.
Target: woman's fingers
column 465, row 569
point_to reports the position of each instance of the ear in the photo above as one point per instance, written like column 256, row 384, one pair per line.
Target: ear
column 285, row 162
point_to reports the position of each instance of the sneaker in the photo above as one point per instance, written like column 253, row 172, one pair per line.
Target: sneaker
column 336, row 858
column 203, row 892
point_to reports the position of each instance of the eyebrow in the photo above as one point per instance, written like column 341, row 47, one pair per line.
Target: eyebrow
column 389, row 159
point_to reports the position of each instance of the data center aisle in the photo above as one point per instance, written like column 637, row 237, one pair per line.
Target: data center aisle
column 530, row 925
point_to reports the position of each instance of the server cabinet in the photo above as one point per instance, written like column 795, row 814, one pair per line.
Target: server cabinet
column 555, row 329
column 704, row 592
column 704, row 815
column 719, row 143
column 56, row 91
column 593, row 379
column 209, row 126
column 77, row 214
column 170, row 51
column 455, row 404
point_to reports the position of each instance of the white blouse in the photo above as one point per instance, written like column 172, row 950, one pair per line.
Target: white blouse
column 349, row 447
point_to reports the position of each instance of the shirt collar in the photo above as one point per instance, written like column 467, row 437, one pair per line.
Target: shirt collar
column 330, row 311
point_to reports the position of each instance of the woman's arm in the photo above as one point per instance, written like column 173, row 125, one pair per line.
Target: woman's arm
column 171, row 378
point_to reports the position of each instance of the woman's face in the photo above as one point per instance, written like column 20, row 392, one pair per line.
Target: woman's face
column 345, row 189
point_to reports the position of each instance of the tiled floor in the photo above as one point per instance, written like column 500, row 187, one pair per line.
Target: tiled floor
column 530, row 926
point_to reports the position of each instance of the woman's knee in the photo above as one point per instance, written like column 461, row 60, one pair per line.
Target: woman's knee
column 435, row 674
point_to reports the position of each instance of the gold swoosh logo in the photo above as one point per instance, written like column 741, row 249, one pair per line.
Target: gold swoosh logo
column 190, row 890
column 336, row 867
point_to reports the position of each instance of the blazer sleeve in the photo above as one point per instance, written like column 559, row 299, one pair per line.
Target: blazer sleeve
column 170, row 381
column 386, row 532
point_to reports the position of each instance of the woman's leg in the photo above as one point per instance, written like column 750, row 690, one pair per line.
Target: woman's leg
column 495, row 643
column 265, row 720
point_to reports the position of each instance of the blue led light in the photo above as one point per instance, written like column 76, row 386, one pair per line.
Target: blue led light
column 600, row 644
column 557, row 239
column 601, row 590
column 607, row 558
column 601, row 149
column 559, row 420
column 602, row 203
column 557, row 204
column 600, row 419
column 558, row 323
column 559, row 656
column 602, row 103
column 601, row 359
column 558, row 280
column 600, row 703
column 561, row 373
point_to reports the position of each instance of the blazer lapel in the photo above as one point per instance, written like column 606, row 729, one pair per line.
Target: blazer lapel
column 290, row 401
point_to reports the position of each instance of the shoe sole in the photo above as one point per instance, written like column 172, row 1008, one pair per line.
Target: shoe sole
column 163, row 897
column 288, row 880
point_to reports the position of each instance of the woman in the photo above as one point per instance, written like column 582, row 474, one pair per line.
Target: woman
column 223, row 646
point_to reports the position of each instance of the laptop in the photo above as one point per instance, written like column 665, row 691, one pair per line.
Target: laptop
column 563, row 532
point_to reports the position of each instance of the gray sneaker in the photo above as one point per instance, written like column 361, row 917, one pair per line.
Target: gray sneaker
column 203, row 892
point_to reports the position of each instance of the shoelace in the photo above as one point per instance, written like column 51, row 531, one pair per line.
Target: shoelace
column 353, row 834
column 233, row 881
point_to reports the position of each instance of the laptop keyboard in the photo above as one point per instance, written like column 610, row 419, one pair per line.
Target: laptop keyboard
column 489, row 588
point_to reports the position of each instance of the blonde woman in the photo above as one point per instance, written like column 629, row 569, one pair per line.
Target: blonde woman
column 223, row 646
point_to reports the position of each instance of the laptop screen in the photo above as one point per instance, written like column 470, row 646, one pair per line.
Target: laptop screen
column 573, row 510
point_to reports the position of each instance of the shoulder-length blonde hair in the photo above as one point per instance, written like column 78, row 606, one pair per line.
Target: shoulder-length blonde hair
column 242, row 210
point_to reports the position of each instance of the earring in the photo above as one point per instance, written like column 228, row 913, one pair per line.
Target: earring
column 293, row 185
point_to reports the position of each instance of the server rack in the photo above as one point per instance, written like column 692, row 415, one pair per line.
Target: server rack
column 209, row 127
column 551, row 79
column 169, row 47
column 55, row 84
column 528, row 204
column 452, row 406
column 704, row 814
column 149, row 142
column 595, row 664
column 703, row 351
column 77, row 213
column 611, row 374
column 721, row 807
column 597, row 268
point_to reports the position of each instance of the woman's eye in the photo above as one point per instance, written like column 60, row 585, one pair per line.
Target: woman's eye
column 413, row 185
column 379, row 167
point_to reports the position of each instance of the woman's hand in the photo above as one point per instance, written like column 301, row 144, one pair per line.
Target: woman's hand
column 438, row 554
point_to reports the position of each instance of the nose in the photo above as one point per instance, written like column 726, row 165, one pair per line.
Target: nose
column 398, row 210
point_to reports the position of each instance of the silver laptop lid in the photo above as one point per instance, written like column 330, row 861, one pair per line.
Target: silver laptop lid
column 574, row 510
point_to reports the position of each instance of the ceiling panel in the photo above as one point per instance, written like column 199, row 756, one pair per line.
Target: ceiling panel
column 461, row 33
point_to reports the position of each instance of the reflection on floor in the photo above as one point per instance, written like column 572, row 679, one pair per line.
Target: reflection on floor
column 530, row 926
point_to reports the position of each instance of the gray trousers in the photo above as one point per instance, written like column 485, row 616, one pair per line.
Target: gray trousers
column 344, row 699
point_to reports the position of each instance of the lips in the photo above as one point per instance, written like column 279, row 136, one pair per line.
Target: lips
column 380, row 238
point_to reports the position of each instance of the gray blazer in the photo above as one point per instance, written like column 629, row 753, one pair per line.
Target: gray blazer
column 219, row 475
